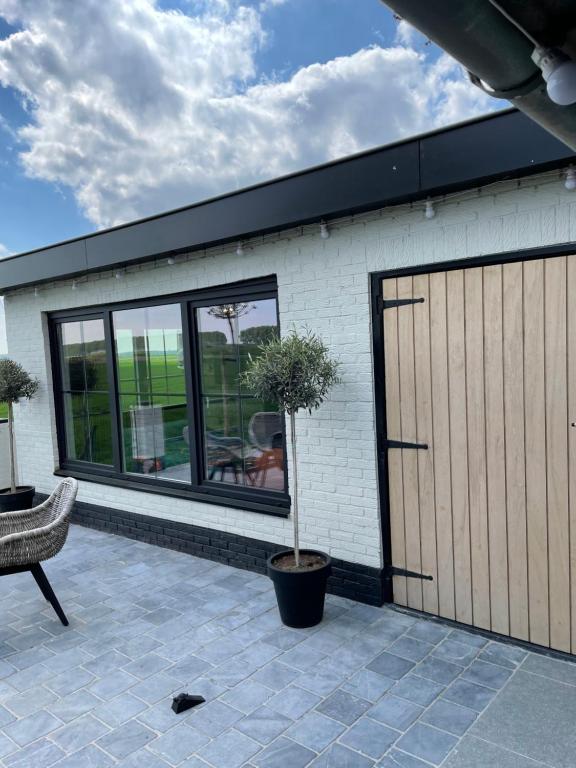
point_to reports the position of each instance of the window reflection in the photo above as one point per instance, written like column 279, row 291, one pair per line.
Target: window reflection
column 152, row 392
column 84, row 379
column 243, row 436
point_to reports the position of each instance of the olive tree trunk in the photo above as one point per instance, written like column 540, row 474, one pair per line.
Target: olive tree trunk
column 11, row 442
column 295, row 492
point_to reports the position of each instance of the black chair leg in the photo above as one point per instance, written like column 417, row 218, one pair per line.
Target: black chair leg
column 42, row 581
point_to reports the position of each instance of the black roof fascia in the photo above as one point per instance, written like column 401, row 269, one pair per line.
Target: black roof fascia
column 497, row 146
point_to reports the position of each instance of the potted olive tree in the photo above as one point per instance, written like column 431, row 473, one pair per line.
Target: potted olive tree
column 296, row 373
column 15, row 384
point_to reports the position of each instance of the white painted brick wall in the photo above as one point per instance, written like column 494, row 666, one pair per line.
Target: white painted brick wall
column 323, row 284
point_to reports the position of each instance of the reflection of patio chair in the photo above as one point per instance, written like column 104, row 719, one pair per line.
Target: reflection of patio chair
column 223, row 454
column 266, row 433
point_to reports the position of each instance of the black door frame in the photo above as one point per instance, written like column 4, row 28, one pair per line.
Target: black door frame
column 378, row 352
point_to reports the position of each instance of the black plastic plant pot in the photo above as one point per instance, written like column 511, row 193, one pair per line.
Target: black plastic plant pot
column 300, row 594
column 14, row 502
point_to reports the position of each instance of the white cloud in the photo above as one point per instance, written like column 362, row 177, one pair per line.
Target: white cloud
column 4, row 251
column 140, row 110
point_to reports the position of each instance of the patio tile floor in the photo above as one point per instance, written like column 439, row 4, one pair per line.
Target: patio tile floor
column 368, row 688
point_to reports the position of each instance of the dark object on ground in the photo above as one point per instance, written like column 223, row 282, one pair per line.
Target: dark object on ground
column 185, row 701
column 300, row 593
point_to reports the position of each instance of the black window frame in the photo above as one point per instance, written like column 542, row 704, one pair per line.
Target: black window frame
column 200, row 489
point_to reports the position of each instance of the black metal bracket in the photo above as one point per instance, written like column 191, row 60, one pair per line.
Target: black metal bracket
column 391, row 303
column 393, row 571
column 400, row 444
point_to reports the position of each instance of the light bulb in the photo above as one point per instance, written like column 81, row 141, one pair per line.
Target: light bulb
column 239, row 250
column 559, row 72
column 570, row 182
column 119, row 275
column 324, row 231
column 171, row 260
column 429, row 210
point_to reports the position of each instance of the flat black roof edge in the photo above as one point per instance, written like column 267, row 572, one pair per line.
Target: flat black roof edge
column 499, row 145
column 268, row 182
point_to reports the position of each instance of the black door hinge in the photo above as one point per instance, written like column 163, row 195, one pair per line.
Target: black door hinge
column 391, row 570
column 400, row 444
column 390, row 303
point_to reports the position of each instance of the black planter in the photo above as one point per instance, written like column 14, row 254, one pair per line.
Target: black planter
column 14, row 502
column 300, row 594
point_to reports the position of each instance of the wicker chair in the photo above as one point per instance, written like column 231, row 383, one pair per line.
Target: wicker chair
column 33, row 535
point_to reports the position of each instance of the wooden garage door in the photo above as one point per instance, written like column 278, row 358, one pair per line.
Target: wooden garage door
column 482, row 369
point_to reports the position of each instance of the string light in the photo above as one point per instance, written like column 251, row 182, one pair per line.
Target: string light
column 324, row 231
column 171, row 261
column 239, row 250
column 570, row 180
column 119, row 275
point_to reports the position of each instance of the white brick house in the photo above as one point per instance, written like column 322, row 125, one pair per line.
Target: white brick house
column 505, row 206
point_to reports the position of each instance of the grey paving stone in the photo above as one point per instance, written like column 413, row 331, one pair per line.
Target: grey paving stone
column 125, row 739
column 282, row 753
column 468, row 637
column 456, row 652
column 395, row 712
column 553, row 668
column 322, row 680
column 7, row 746
column 30, row 728
column 214, row 717
column 230, row 750
column 69, row 681
column 476, row 753
column 533, row 716
column 315, row 731
column 490, row 675
column 74, row 705
column 428, row 631
column 264, row 725
column 248, row 696
column 417, row 689
column 293, row 702
column 344, row 707
column 38, row 754
column 178, row 743
column 79, row 733
column 368, row 685
column 111, row 685
column 303, row 658
column 369, row 737
column 427, row 743
column 339, row 756
column 147, row 665
column 146, row 759
column 118, row 710
column 89, row 757
column 6, row 717
column 275, row 675
column 389, row 665
column 469, row 694
column 153, row 688
column 508, row 656
column 105, row 663
column 438, row 670
column 397, row 759
column 411, row 648
column 449, row 717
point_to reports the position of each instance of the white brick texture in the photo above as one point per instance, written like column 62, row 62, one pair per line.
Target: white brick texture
column 323, row 284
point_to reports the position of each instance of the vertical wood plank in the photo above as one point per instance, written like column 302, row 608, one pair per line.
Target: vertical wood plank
column 495, row 455
column 474, row 305
column 556, row 450
column 423, row 375
column 571, row 315
column 535, row 449
column 395, row 487
column 458, row 445
column 441, row 444
column 409, row 434
column 513, row 338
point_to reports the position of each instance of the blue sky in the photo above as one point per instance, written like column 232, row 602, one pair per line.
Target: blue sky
column 233, row 99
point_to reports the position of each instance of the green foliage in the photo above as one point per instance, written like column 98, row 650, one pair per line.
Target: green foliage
column 259, row 334
column 295, row 372
column 15, row 383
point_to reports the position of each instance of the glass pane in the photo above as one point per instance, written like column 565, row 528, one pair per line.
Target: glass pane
column 149, row 358
column 243, row 437
column 86, row 400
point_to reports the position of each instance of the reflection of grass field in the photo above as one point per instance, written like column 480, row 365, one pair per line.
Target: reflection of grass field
column 3, row 410
column 164, row 378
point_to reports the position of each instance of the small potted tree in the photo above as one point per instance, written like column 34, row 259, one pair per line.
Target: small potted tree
column 15, row 384
column 296, row 373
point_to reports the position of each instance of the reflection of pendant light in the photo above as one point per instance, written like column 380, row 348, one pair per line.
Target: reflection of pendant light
column 74, row 284
column 171, row 261
column 36, row 291
column 119, row 274
column 324, row 231
column 239, row 250
column 570, row 180
column 429, row 210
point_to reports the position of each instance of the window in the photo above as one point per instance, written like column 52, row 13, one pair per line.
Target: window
column 150, row 396
column 85, row 392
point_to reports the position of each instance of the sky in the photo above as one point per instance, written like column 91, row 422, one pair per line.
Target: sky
column 111, row 110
